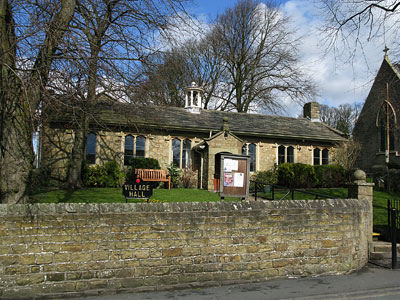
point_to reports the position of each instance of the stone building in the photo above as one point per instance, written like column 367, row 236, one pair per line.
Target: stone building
column 193, row 137
column 377, row 127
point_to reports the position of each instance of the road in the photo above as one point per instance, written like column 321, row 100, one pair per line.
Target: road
column 371, row 283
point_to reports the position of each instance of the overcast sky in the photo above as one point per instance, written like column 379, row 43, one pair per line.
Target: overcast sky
column 338, row 81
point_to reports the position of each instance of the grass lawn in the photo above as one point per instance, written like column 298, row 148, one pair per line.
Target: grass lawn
column 105, row 195
column 110, row 195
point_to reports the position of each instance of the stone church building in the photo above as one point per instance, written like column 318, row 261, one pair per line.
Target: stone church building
column 193, row 137
column 377, row 127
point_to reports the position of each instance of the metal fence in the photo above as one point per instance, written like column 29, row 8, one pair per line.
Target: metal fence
column 268, row 191
column 393, row 211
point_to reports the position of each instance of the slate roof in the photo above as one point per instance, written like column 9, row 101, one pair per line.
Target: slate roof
column 175, row 118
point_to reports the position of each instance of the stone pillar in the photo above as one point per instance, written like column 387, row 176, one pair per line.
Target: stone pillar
column 360, row 189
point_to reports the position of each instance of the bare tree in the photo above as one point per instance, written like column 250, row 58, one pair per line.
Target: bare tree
column 107, row 41
column 34, row 35
column 260, row 57
column 342, row 118
column 347, row 153
column 246, row 61
column 355, row 22
column 169, row 72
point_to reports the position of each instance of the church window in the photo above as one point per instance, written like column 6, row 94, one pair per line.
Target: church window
column 140, row 146
column 285, row 154
column 181, row 152
column 134, row 147
column 317, row 158
column 386, row 128
column 91, row 149
column 290, row 154
column 128, row 152
column 281, row 154
column 325, row 157
column 250, row 150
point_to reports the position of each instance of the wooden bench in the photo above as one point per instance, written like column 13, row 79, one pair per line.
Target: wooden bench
column 154, row 175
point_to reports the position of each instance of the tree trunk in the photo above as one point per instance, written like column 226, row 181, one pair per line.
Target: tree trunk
column 16, row 156
column 74, row 178
column 19, row 102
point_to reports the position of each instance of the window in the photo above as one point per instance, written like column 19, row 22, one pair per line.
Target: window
column 128, row 152
column 181, row 152
column 316, row 155
column 140, row 146
column 325, row 157
column 187, row 146
column 285, row 154
column 91, row 149
column 132, row 149
column 290, row 154
column 250, row 150
column 176, row 152
column 281, row 155
column 321, row 157
column 386, row 126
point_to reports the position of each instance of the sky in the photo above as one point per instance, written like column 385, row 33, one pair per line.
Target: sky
column 338, row 81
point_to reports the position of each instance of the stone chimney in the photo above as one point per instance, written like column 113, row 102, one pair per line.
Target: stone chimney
column 311, row 111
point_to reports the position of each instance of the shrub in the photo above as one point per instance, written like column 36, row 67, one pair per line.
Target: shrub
column 285, row 174
column 269, row 176
column 329, row 176
column 175, row 173
column 109, row 175
column 188, row 178
column 141, row 163
column 296, row 175
column 305, row 176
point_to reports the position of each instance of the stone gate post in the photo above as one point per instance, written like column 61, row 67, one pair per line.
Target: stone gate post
column 361, row 189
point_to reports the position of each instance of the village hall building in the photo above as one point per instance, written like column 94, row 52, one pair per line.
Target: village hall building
column 192, row 137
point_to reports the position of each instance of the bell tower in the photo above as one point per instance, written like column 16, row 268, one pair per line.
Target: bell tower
column 193, row 98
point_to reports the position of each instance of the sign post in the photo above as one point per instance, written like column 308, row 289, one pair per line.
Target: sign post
column 137, row 189
column 235, row 176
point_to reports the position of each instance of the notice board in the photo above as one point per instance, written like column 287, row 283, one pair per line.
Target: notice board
column 235, row 175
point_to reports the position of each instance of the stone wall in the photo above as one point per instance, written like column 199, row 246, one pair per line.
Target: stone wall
column 80, row 249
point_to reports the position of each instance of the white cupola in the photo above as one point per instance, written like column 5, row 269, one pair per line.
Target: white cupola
column 193, row 98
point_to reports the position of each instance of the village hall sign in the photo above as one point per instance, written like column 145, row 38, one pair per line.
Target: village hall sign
column 138, row 189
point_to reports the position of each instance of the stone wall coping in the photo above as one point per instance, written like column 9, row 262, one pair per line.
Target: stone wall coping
column 361, row 183
column 44, row 209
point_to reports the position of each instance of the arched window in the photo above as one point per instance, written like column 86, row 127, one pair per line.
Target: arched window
column 325, row 157
column 285, row 154
column 386, row 126
column 281, row 154
column 181, row 152
column 187, row 146
column 252, row 153
column 176, row 152
column 250, row 150
column 290, row 154
column 91, row 149
column 316, row 155
column 128, row 150
column 140, row 146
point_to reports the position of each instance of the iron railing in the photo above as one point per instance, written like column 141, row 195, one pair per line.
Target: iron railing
column 268, row 188
column 393, row 204
column 393, row 211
